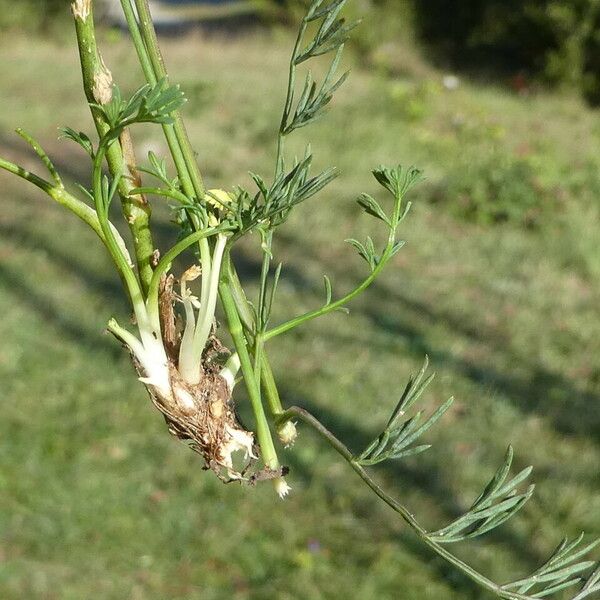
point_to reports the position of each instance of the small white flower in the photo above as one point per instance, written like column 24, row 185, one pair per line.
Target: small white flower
column 281, row 487
column 287, row 434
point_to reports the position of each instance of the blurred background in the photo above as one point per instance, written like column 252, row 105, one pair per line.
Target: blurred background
column 499, row 284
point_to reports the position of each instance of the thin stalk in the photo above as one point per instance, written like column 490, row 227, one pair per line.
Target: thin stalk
column 241, row 302
column 80, row 209
column 152, row 77
column 172, row 194
column 42, row 155
column 318, row 312
column 135, row 210
column 296, row 412
column 268, row 380
column 279, row 161
column 267, row 448
column 270, row 388
column 264, row 277
column 120, row 260
column 151, row 41
column 258, row 356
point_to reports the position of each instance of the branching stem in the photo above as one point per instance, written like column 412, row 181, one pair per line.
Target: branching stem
column 337, row 304
column 296, row 412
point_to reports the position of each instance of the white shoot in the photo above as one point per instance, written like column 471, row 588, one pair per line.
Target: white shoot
column 230, row 370
column 190, row 354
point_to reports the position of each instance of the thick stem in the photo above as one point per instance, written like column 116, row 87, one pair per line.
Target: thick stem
column 96, row 80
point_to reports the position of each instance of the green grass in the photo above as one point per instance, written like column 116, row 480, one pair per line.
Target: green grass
column 96, row 500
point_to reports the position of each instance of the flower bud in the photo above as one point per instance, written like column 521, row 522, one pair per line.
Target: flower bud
column 287, row 433
column 281, row 487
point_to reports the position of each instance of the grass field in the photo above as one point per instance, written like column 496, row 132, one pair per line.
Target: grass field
column 97, row 501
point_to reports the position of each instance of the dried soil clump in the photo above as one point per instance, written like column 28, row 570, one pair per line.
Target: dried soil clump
column 202, row 415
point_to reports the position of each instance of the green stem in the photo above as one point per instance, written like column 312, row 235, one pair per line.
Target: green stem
column 138, row 42
column 241, row 302
column 172, row 194
column 80, row 209
column 148, row 51
column 296, row 412
column 116, row 252
column 247, row 318
column 149, row 54
column 43, row 156
column 270, row 387
column 151, row 42
column 263, row 433
column 264, row 280
column 152, row 77
column 135, row 210
column 318, row 312
column 279, row 161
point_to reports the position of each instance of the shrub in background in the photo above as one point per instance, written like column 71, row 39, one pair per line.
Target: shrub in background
column 496, row 187
column 557, row 40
